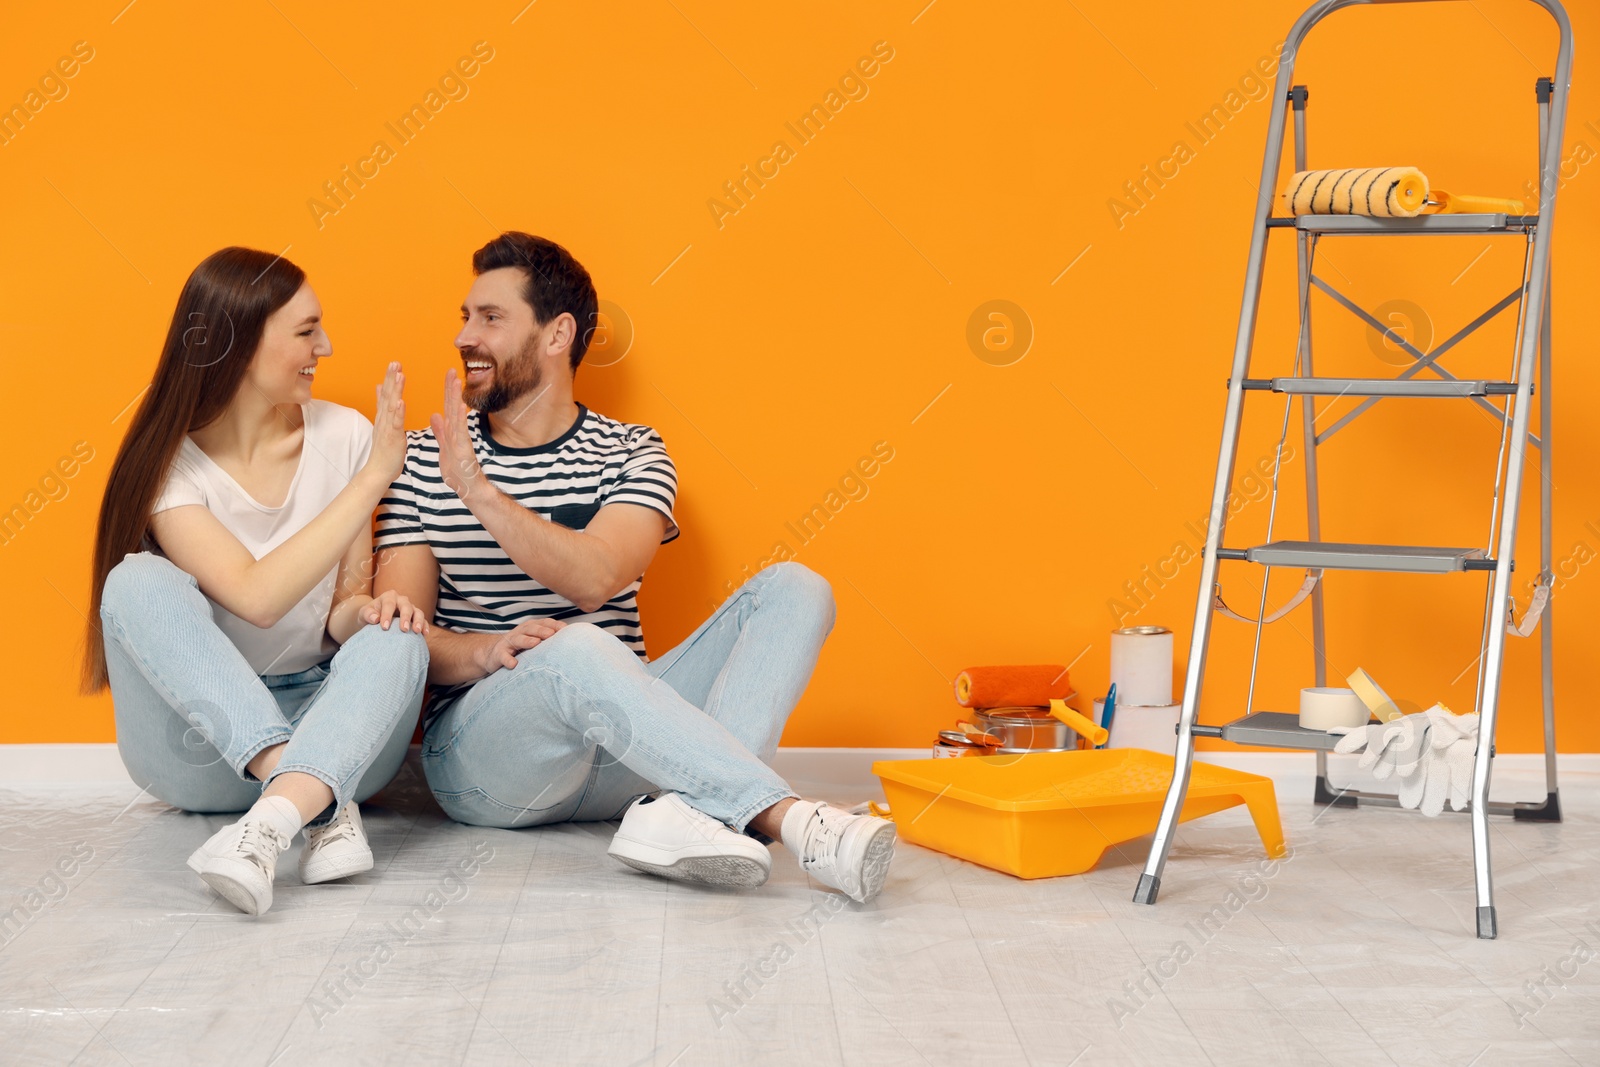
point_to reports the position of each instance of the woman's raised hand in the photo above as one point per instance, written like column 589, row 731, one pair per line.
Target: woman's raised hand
column 388, row 454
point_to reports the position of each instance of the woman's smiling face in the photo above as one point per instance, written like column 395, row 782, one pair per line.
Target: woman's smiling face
column 292, row 343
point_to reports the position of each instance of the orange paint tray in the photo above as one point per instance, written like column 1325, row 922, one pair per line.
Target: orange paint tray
column 1043, row 814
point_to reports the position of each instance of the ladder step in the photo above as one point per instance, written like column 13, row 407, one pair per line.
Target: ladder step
column 1333, row 555
column 1381, row 387
column 1279, row 729
column 1369, row 224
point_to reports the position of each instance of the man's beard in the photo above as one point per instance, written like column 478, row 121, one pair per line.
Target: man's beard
column 512, row 379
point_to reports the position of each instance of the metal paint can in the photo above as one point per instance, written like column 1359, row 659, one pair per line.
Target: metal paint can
column 1141, row 665
column 1026, row 729
column 955, row 743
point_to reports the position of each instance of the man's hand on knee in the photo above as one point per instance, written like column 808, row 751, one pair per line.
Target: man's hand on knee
column 525, row 635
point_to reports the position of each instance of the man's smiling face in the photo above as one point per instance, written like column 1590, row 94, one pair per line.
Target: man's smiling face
column 499, row 342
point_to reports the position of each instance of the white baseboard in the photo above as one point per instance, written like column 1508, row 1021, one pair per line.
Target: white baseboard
column 63, row 764
column 1517, row 775
column 90, row 764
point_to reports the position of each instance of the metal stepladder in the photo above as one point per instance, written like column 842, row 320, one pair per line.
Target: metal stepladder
column 1279, row 729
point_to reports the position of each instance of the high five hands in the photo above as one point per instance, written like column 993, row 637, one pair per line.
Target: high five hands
column 459, row 467
column 458, row 463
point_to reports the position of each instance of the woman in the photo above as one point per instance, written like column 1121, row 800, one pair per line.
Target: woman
column 250, row 665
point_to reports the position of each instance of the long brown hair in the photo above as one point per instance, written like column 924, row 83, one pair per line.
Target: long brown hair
column 214, row 334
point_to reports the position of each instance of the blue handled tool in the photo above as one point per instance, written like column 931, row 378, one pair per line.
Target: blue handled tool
column 1110, row 710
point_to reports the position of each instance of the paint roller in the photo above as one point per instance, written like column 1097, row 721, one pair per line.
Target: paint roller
column 1029, row 686
column 1026, row 686
column 1384, row 192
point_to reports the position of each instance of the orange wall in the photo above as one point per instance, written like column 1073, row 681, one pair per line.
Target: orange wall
column 778, row 344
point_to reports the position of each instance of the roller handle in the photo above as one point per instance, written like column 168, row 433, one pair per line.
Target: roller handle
column 1097, row 735
column 1442, row 203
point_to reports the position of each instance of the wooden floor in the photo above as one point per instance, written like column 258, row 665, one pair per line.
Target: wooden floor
column 471, row 946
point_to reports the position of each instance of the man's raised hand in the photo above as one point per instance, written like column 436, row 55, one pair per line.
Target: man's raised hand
column 458, row 463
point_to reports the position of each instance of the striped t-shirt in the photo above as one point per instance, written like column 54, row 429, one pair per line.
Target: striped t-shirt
column 597, row 461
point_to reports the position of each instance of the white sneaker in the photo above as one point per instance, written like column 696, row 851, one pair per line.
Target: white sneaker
column 664, row 835
column 336, row 850
column 239, row 861
column 848, row 852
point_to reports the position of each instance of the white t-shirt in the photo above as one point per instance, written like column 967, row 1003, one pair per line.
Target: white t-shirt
column 337, row 442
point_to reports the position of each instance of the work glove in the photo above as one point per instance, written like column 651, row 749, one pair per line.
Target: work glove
column 1387, row 748
column 1448, row 763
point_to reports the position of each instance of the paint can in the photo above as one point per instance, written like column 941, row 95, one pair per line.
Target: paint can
column 1144, row 726
column 1026, row 729
column 1141, row 665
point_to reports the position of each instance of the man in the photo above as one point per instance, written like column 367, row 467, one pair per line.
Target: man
column 523, row 528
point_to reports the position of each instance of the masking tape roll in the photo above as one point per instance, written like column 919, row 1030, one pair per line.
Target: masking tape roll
column 1323, row 709
column 1386, row 192
column 1373, row 696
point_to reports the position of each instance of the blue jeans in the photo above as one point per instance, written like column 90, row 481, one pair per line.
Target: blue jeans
column 581, row 725
column 191, row 713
